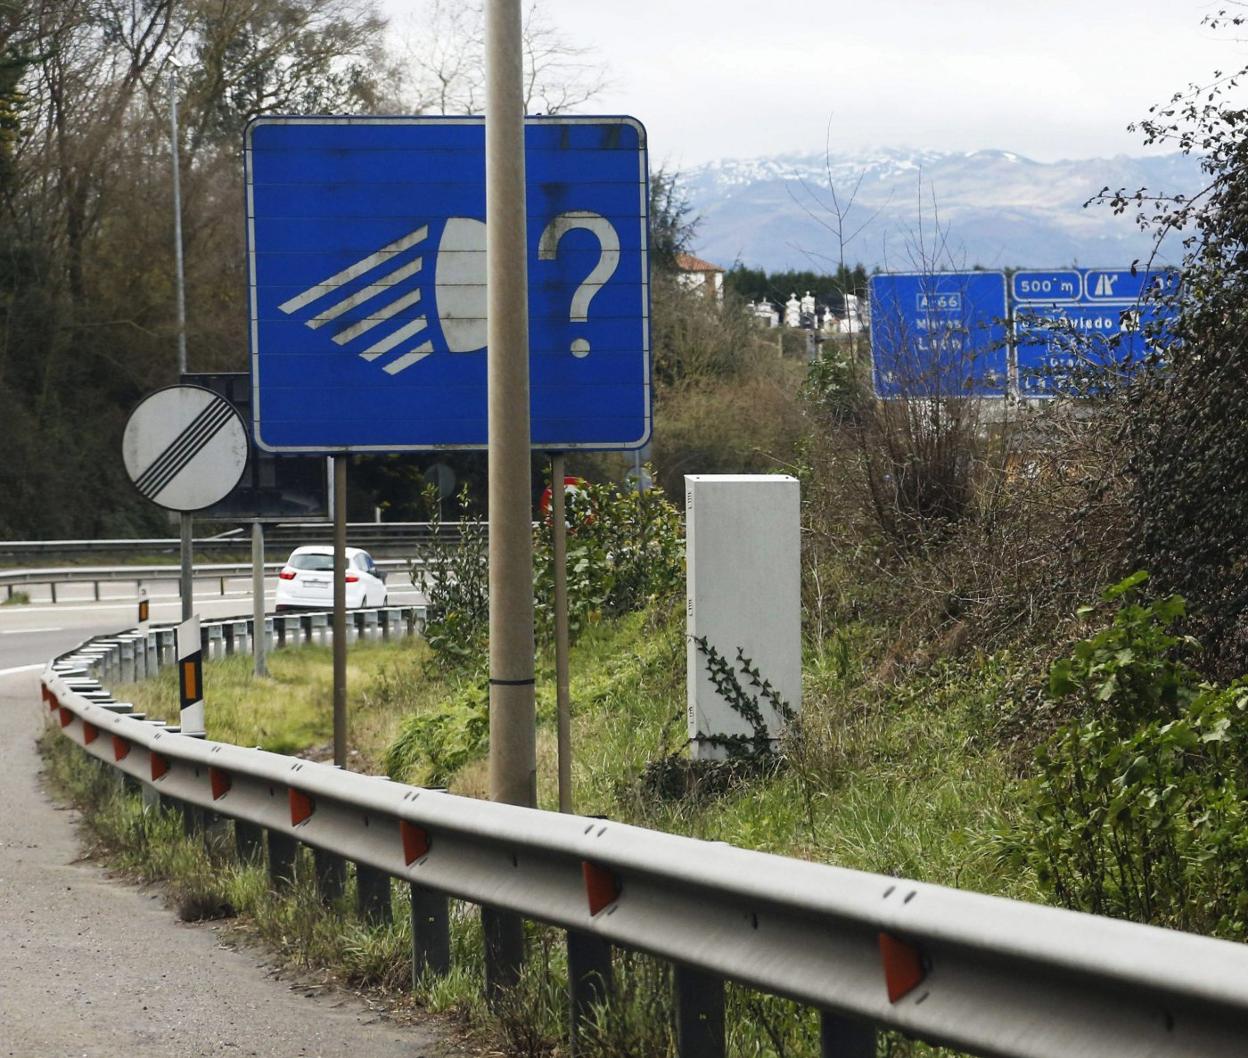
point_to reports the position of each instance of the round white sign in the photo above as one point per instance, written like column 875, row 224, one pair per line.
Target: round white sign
column 185, row 447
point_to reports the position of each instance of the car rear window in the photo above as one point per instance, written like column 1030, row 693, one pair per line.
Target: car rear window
column 314, row 562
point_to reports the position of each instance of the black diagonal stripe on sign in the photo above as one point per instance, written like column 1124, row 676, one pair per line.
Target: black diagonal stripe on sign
column 174, row 448
column 184, row 448
column 196, row 445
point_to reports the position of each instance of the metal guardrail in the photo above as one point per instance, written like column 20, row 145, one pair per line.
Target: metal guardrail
column 140, row 575
column 983, row 974
column 282, row 535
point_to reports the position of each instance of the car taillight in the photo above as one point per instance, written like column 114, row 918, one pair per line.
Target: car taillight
column 352, row 578
column 287, row 574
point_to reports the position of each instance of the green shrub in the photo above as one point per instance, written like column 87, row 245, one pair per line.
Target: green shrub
column 1138, row 809
column 432, row 747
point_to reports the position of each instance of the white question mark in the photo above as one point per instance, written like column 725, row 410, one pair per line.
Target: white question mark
column 608, row 261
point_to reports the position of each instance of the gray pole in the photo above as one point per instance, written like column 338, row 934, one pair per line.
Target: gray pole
column 259, row 640
column 187, row 583
column 187, row 588
column 513, row 755
column 559, row 530
column 177, row 219
column 340, row 610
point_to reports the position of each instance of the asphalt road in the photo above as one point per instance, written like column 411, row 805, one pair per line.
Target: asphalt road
column 94, row 967
column 34, row 632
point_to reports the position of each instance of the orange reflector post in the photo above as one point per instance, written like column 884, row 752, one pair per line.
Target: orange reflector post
column 415, row 841
column 89, row 732
column 301, row 807
column 601, row 886
column 220, row 781
column 903, row 966
column 67, row 717
column 159, row 766
column 120, row 748
column 190, row 680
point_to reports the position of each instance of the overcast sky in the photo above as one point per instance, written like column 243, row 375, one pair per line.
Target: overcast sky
column 731, row 78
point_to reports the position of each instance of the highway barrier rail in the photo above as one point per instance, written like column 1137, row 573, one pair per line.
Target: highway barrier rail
column 978, row 973
column 375, row 536
column 11, row 579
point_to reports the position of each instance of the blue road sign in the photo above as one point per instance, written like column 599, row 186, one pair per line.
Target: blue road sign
column 366, row 244
column 939, row 334
column 1062, row 346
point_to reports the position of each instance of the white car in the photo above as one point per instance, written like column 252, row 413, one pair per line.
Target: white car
column 306, row 582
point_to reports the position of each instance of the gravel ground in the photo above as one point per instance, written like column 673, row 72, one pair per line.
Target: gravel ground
column 93, row 967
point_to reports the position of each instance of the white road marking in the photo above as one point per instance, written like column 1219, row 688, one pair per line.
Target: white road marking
column 28, row 631
column 22, row 668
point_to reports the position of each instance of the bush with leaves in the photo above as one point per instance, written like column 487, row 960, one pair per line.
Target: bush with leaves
column 452, row 570
column 1139, row 807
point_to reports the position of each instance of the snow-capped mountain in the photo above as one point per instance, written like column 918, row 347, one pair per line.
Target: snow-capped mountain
column 906, row 209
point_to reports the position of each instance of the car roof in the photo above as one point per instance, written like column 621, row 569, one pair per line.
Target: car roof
column 323, row 549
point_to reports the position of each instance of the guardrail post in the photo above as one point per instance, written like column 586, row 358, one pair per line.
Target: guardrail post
column 52, row 585
column 369, row 620
column 372, row 894
column 167, row 648
column 282, row 851
column 589, row 979
column 431, row 933
column 320, row 629
column 242, row 638
column 699, row 1013
column 193, row 820
column 248, row 840
column 842, row 1037
column 504, row 950
column 216, row 641
column 330, row 872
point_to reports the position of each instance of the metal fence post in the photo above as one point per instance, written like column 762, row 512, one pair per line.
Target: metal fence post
column 330, row 871
column 589, row 979
column 699, row 1013
column 504, row 950
column 248, row 838
column 372, row 894
column 431, row 933
column 282, row 851
column 842, row 1037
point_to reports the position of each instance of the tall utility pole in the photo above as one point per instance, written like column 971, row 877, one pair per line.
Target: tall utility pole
column 186, row 526
column 513, row 716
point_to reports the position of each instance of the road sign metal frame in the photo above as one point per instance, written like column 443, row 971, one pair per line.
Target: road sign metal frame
column 643, row 416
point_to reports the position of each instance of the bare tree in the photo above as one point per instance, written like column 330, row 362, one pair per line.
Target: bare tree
column 445, row 47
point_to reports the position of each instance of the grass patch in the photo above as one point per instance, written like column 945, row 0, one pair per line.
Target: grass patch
column 18, row 598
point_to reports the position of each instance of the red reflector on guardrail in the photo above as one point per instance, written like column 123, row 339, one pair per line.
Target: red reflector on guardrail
column 67, row 717
column 415, row 841
column 89, row 733
column 601, row 886
column 220, row 781
column 120, row 748
column 53, row 701
column 159, row 766
column 301, row 807
column 903, row 966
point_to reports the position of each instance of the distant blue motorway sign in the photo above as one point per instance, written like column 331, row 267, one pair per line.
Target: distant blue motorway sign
column 939, row 334
column 366, row 247
column 1109, row 326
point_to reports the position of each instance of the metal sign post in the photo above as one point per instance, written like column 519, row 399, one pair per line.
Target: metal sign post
column 559, row 533
column 513, row 714
column 340, row 611
column 260, row 638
